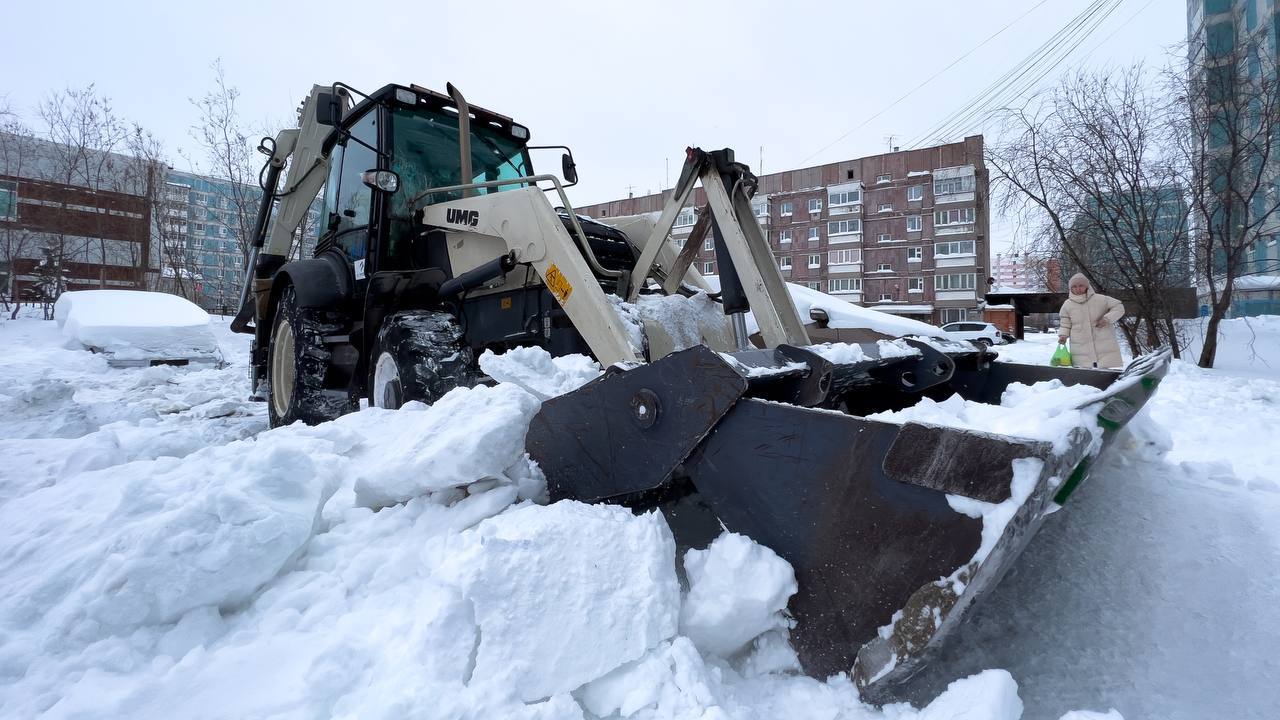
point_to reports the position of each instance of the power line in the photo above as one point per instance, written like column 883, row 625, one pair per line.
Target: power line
column 1026, row 74
column 930, row 79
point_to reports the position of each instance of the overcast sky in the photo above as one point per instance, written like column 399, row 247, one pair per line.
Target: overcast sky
column 627, row 86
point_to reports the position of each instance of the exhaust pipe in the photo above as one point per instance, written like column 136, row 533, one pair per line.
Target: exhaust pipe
column 464, row 137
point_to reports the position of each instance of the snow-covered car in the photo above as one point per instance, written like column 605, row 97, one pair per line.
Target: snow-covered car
column 134, row 328
column 981, row 332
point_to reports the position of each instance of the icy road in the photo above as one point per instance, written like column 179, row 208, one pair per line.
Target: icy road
column 163, row 556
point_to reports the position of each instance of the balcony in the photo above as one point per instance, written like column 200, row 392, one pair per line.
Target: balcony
column 834, row 210
column 951, row 261
column 955, row 295
column 959, row 229
column 855, row 267
column 854, row 295
column 844, row 238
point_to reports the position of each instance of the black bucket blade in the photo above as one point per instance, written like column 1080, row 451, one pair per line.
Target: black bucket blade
column 812, row 485
column 626, row 432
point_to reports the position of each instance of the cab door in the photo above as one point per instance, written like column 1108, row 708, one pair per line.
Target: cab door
column 352, row 217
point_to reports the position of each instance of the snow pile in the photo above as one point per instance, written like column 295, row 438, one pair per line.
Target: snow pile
column 1047, row 410
column 738, row 590
column 538, row 373
column 135, row 324
column 469, row 435
column 686, row 319
column 533, row 576
column 852, row 353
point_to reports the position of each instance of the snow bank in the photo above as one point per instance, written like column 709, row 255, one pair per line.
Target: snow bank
column 990, row 695
column 538, row 373
column 844, row 314
column 134, row 324
column 738, row 590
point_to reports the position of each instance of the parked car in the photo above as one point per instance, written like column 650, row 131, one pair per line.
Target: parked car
column 135, row 328
column 980, row 332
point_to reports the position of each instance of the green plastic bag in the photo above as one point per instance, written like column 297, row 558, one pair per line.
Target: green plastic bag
column 1061, row 357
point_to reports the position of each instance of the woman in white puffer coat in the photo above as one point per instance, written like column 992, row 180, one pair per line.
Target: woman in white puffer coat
column 1088, row 320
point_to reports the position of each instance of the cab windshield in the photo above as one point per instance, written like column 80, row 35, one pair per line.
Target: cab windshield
column 425, row 154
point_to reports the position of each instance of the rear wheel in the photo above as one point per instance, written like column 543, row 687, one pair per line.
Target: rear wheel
column 297, row 362
column 419, row 355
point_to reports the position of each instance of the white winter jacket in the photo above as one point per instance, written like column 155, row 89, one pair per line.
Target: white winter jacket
column 1091, row 346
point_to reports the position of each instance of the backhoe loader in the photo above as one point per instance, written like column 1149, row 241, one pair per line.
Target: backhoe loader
column 439, row 243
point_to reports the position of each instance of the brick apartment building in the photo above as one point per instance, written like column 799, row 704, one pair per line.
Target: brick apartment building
column 98, row 229
column 904, row 232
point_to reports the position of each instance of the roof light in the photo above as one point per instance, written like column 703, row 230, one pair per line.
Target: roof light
column 519, row 132
column 407, row 97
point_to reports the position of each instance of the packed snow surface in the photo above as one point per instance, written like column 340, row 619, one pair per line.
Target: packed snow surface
column 167, row 556
column 133, row 324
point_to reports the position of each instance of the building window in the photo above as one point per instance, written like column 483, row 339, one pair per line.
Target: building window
column 915, row 254
column 686, row 218
column 844, row 257
column 884, row 267
column 848, row 197
column 784, row 236
column 884, row 237
column 786, row 209
column 886, row 207
column 949, row 186
column 8, row 200
column 784, row 262
column 885, row 297
column 815, row 261
column 761, row 209
column 708, row 268
column 844, row 227
column 839, row 285
column 883, row 178
column 199, row 227
column 963, row 281
column 914, row 223
column 709, row 244
column 915, row 284
column 957, row 216
column 959, row 247
column 950, row 315
column 815, row 205
column 814, row 285
column 813, row 234
column 915, row 192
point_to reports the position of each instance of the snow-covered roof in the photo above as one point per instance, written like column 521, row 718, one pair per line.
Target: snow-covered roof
column 1000, row 307
column 1258, row 282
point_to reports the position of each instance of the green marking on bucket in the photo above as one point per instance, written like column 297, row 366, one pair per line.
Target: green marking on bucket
column 1069, row 487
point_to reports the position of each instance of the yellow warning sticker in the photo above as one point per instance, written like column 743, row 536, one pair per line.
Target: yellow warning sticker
column 505, row 303
column 558, row 285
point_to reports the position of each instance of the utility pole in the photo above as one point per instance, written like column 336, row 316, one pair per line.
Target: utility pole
column 888, row 141
column 630, row 189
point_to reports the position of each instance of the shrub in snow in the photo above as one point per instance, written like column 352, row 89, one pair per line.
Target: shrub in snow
column 737, row 591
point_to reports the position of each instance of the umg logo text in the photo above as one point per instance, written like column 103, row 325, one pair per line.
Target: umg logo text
column 458, row 216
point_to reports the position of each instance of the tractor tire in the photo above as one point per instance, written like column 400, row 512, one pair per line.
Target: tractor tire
column 419, row 355
column 297, row 362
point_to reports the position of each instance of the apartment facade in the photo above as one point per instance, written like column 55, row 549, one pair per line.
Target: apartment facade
column 904, row 232
column 1239, row 41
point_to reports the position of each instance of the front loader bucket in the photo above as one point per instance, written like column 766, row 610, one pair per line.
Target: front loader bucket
column 886, row 566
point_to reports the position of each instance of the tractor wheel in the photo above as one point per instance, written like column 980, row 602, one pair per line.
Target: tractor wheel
column 297, row 362
column 419, row 355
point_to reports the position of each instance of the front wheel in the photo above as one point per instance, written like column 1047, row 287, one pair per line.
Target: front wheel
column 419, row 355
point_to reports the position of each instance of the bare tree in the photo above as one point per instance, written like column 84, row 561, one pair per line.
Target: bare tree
column 170, row 218
column 1226, row 129
column 228, row 155
column 86, row 139
column 1088, row 170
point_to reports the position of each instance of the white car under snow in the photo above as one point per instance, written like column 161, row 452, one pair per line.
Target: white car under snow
column 136, row 328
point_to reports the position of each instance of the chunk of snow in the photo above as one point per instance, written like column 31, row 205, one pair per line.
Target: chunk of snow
column 468, row 435
column 533, row 369
column 133, row 324
column 1111, row 714
column 990, row 695
column 738, row 590
column 566, row 593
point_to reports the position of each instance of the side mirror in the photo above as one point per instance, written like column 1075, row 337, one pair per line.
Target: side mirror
column 819, row 316
column 383, row 180
column 569, row 169
column 327, row 109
